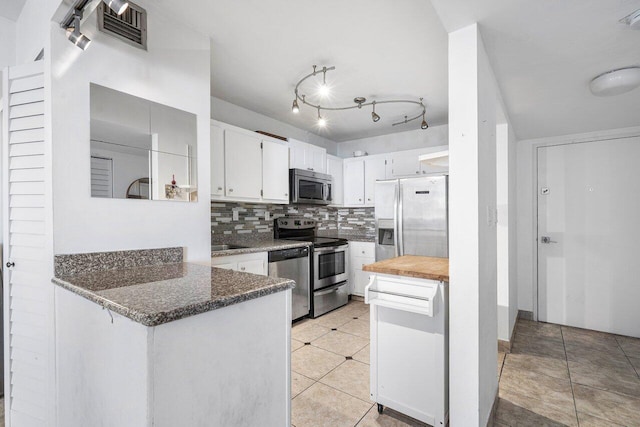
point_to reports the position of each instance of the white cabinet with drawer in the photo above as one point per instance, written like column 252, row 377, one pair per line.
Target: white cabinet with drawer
column 360, row 254
column 255, row 263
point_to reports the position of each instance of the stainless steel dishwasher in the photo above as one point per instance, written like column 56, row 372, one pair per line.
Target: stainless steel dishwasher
column 294, row 264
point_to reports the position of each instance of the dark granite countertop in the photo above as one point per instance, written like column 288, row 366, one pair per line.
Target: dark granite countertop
column 253, row 246
column 157, row 294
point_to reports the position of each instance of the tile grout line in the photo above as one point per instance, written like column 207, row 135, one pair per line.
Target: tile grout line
column 627, row 356
column 573, row 394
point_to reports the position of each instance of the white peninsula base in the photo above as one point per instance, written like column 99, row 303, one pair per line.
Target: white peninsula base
column 227, row 367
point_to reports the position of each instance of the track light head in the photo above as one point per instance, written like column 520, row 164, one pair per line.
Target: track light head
column 79, row 39
column 74, row 35
column 374, row 116
column 118, row 6
column 294, row 108
column 322, row 122
column 424, row 124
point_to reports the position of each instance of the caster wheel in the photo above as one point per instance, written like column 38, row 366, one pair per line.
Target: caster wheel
column 380, row 408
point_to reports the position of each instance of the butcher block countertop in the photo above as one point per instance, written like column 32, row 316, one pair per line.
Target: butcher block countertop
column 421, row 267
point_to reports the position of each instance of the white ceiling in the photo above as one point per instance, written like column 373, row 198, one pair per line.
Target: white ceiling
column 545, row 52
column 381, row 49
column 11, row 9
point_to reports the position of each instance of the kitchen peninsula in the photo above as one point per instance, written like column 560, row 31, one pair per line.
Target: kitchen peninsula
column 144, row 339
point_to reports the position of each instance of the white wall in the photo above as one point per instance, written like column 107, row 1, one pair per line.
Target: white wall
column 527, row 189
column 174, row 72
column 408, row 140
column 32, row 28
column 506, row 230
column 238, row 116
column 7, row 44
column 473, row 101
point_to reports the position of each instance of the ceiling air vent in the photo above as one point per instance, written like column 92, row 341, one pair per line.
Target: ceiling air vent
column 130, row 27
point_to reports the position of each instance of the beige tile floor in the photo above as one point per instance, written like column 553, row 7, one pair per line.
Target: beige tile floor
column 330, row 372
column 554, row 376
column 562, row 376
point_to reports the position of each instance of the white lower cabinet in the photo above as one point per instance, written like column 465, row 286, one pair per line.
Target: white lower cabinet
column 256, row 263
column 360, row 254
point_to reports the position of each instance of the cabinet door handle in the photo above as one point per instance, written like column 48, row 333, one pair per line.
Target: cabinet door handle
column 310, row 169
column 231, row 190
column 219, row 188
column 10, row 264
column 417, row 171
column 369, row 200
column 243, row 268
column 363, row 252
column 359, row 200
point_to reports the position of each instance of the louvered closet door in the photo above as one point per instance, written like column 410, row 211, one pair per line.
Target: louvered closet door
column 28, row 249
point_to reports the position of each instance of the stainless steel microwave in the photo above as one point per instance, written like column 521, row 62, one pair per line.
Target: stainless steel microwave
column 309, row 187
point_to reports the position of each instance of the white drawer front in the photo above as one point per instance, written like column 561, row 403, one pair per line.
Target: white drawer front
column 362, row 249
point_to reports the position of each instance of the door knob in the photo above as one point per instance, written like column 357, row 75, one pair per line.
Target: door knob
column 546, row 240
column 10, row 264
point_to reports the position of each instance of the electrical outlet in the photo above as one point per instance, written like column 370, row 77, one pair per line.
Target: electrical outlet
column 235, row 216
column 267, row 215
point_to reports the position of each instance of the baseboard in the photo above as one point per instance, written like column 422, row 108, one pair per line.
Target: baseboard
column 505, row 346
column 525, row 315
column 356, row 298
column 494, row 409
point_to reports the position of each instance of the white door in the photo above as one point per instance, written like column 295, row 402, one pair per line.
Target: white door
column 217, row 161
column 374, row 169
column 275, row 171
column 243, row 165
column 28, row 252
column 354, row 182
column 589, row 235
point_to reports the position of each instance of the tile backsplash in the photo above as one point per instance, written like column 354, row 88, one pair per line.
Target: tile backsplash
column 251, row 218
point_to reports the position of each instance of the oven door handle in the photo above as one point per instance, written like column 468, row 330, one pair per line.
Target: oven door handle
column 327, row 291
column 330, row 249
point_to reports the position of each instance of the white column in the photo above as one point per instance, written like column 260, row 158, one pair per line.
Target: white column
column 472, row 167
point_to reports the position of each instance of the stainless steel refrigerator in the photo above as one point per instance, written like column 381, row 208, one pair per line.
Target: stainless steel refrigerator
column 412, row 217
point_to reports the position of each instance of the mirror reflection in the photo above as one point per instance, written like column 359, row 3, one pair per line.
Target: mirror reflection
column 141, row 149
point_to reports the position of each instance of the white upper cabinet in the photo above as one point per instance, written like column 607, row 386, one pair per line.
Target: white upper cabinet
column 403, row 164
column 374, row 169
column 243, row 165
column 353, row 182
column 360, row 176
column 275, row 171
column 217, row 161
column 307, row 156
column 246, row 166
column 335, row 169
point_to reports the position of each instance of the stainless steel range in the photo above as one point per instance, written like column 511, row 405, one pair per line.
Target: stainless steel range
column 329, row 262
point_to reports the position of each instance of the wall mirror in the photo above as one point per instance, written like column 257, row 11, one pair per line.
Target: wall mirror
column 141, row 149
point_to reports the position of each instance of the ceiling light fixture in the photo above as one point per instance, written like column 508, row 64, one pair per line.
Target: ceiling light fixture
column 71, row 21
column 632, row 20
column 616, row 82
column 73, row 33
column 118, row 6
column 359, row 101
column 374, row 116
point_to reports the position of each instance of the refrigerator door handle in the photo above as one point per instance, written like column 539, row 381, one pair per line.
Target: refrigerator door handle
column 395, row 221
column 400, row 247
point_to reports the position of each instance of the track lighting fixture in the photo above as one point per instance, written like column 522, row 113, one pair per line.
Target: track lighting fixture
column 74, row 35
column 118, row 6
column 359, row 101
column 374, row 116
